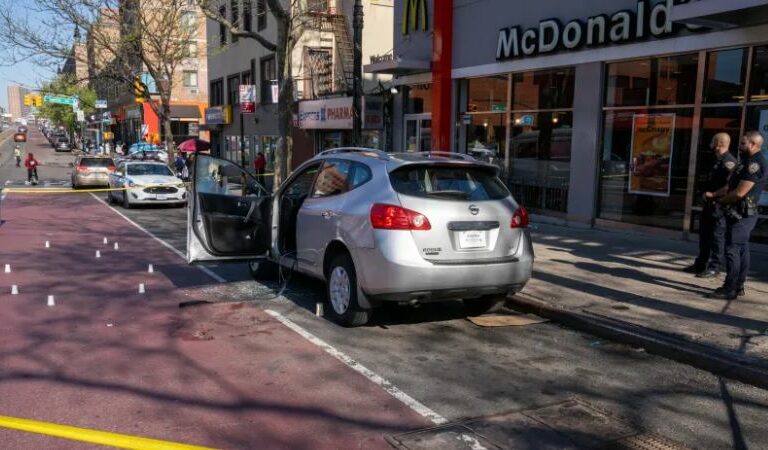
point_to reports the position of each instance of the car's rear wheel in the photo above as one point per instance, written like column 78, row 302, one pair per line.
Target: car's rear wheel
column 486, row 304
column 261, row 269
column 343, row 293
column 126, row 202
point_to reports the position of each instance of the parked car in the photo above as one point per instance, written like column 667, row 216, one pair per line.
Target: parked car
column 376, row 227
column 143, row 150
column 63, row 145
column 146, row 182
column 91, row 171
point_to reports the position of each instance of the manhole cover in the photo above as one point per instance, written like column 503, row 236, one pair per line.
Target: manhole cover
column 573, row 424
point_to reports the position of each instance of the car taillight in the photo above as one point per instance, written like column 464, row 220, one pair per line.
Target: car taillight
column 390, row 217
column 82, row 169
column 111, row 168
column 520, row 218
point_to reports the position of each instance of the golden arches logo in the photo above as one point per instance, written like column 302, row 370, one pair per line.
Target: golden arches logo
column 414, row 15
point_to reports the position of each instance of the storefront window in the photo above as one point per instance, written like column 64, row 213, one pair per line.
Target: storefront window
column 651, row 82
column 645, row 166
column 758, row 88
column 545, row 89
column 418, row 99
column 540, row 159
column 486, row 134
column 487, row 94
column 757, row 119
column 726, row 70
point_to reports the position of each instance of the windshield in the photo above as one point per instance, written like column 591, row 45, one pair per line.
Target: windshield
column 149, row 169
column 448, row 182
column 143, row 148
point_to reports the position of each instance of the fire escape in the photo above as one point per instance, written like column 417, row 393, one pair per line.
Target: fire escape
column 329, row 75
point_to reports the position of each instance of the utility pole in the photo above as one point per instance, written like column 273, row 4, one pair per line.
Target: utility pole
column 357, row 69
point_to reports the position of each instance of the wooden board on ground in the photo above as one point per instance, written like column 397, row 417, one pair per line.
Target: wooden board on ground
column 506, row 320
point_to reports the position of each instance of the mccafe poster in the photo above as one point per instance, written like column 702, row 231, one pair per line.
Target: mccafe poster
column 650, row 171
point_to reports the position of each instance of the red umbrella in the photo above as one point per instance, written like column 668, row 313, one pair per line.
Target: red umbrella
column 194, row 145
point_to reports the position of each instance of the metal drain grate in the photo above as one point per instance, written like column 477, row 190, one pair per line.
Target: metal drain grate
column 572, row 424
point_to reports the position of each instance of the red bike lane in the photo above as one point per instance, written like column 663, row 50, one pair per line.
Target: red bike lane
column 106, row 357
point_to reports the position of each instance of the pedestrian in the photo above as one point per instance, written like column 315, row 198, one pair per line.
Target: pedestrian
column 259, row 166
column 180, row 164
column 191, row 165
column 711, row 259
column 31, row 165
column 17, row 155
column 739, row 200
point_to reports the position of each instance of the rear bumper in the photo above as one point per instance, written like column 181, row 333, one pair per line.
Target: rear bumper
column 403, row 275
column 91, row 181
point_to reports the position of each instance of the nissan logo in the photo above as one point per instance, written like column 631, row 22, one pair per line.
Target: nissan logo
column 474, row 210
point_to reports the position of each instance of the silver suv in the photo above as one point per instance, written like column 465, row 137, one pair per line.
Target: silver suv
column 376, row 227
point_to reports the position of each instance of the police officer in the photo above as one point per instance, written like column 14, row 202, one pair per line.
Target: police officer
column 739, row 203
column 711, row 259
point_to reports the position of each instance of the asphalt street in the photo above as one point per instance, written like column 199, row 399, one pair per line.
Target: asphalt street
column 431, row 354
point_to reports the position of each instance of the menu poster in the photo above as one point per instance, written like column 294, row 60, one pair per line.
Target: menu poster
column 653, row 136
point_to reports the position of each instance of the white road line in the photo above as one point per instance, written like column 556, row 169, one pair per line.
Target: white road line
column 206, row 270
column 409, row 401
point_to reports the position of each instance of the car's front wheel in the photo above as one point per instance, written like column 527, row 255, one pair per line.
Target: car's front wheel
column 486, row 304
column 343, row 293
column 126, row 202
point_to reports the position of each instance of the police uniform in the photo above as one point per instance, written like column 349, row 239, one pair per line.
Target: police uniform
column 712, row 233
column 753, row 168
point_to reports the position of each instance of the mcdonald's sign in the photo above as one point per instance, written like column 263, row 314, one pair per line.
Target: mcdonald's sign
column 414, row 15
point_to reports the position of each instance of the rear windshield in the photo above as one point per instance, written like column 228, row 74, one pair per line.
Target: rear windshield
column 448, row 182
column 97, row 162
column 63, row 139
column 148, row 169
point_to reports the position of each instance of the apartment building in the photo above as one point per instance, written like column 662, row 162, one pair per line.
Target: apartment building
column 16, row 106
column 322, row 71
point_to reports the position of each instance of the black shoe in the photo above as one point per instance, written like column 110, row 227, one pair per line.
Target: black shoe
column 722, row 294
column 740, row 292
column 709, row 273
column 692, row 269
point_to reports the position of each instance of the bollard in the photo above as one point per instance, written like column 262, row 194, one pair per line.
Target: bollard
column 98, row 254
column 151, row 269
column 319, row 309
column 14, row 290
column 141, row 288
column 51, row 302
column 106, row 241
column 7, row 268
column 117, row 247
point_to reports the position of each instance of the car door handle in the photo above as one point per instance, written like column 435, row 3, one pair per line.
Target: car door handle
column 328, row 214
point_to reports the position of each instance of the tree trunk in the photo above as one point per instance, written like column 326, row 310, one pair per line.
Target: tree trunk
column 284, row 154
column 168, row 132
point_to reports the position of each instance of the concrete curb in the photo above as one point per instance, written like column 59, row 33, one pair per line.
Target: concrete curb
column 705, row 357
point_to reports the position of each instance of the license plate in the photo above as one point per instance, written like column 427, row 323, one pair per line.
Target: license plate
column 472, row 239
column 162, row 197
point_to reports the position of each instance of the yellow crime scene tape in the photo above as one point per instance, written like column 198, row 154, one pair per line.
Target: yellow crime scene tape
column 93, row 436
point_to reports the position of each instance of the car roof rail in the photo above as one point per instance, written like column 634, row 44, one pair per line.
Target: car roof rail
column 362, row 150
column 439, row 154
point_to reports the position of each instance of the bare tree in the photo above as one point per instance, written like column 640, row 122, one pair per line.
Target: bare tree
column 125, row 38
column 291, row 23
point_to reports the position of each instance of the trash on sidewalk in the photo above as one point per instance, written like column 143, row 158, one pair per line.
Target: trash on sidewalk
column 506, row 320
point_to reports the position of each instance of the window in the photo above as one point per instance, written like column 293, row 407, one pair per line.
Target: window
column 544, row 89
column 301, row 185
column 190, row 51
column 233, row 90
column 360, row 175
column 245, row 78
column 222, row 28
column 268, row 77
column 332, row 179
column 235, row 10
column 189, row 21
column 248, row 15
column 726, row 71
column 487, row 94
column 217, row 92
column 448, row 183
column 190, row 78
column 261, row 14
column 656, row 81
column 418, row 99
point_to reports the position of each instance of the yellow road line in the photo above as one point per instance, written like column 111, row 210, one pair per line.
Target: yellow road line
column 93, row 436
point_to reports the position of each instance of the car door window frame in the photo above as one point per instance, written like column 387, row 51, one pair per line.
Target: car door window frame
column 294, row 179
column 313, row 192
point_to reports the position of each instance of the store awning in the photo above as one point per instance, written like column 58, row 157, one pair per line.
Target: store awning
column 185, row 112
column 719, row 14
column 398, row 66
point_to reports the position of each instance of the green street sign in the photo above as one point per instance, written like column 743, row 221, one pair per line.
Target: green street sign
column 71, row 101
column 498, row 107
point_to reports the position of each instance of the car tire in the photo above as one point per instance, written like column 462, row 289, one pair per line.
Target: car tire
column 111, row 198
column 126, row 202
column 486, row 304
column 262, row 269
column 343, row 291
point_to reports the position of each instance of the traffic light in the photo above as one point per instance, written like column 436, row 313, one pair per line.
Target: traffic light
column 138, row 91
column 28, row 100
column 38, row 100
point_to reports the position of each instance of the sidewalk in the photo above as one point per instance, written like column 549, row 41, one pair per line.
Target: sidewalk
column 631, row 288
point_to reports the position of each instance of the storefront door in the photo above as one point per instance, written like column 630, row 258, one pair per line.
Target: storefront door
column 418, row 132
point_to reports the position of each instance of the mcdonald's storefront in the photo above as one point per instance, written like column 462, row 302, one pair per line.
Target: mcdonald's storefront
column 598, row 113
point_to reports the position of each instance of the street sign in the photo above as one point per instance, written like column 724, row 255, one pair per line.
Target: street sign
column 247, row 98
column 498, row 107
column 61, row 100
column 101, row 104
column 80, row 115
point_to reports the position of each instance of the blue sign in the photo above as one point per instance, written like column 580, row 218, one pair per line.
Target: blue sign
column 526, row 120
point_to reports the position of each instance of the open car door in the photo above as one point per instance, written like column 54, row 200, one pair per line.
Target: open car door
column 228, row 213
